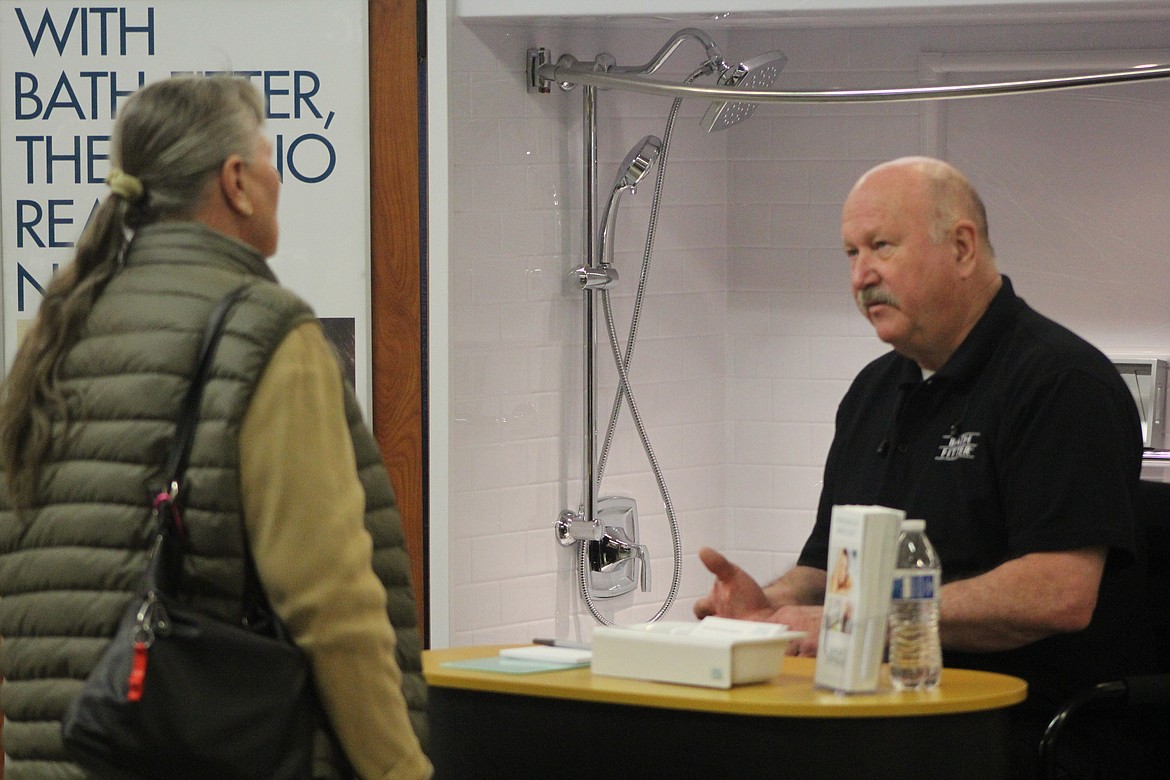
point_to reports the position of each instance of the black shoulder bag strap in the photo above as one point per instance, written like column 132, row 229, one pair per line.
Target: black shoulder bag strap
column 170, row 529
column 170, row 533
column 189, row 411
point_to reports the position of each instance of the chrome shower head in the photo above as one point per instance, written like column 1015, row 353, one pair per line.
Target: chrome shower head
column 759, row 72
column 637, row 163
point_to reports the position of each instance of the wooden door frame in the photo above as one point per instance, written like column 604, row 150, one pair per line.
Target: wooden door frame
column 397, row 274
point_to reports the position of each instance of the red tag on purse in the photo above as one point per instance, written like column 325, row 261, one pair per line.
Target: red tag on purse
column 137, row 673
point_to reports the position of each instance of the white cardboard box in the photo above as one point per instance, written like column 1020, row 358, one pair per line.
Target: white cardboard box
column 692, row 653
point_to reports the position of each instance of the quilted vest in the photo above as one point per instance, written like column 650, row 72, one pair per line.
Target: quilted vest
column 70, row 565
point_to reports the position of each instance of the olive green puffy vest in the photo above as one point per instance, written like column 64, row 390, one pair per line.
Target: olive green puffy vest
column 70, row 565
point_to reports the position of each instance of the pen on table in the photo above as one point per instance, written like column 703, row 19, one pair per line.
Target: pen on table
column 562, row 643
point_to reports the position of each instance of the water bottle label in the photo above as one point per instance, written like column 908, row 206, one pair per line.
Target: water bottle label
column 915, row 585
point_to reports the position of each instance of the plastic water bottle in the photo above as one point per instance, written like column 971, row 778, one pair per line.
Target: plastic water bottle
column 915, row 653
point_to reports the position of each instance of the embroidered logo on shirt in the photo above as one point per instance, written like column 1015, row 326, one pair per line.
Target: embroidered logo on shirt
column 959, row 447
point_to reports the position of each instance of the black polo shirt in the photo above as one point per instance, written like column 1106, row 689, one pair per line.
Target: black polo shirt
column 1027, row 440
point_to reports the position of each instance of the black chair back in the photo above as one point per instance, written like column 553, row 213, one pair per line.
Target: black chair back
column 1141, row 701
column 1153, row 515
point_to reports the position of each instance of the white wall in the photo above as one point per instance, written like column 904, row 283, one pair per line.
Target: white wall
column 748, row 336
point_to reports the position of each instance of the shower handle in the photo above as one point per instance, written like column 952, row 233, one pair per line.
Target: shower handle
column 615, row 551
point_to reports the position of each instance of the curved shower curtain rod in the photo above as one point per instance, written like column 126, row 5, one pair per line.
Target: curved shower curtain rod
column 543, row 75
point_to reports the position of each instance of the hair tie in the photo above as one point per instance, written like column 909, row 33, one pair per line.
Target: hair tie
column 128, row 188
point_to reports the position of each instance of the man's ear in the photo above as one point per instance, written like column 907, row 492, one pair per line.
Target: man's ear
column 231, row 184
column 966, row 245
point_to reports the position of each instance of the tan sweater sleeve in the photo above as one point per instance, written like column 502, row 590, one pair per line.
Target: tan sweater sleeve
column 303, row 511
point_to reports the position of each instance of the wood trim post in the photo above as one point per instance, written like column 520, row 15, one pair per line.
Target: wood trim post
column 396, row 273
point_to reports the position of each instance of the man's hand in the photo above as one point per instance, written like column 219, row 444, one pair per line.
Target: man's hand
column 735, row 594
column 801, row 618
column 795, row 599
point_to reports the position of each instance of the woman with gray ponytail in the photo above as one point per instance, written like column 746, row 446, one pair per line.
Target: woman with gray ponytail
column 282, row 464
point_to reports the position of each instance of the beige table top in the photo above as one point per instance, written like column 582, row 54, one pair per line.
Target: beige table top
column 789, row 694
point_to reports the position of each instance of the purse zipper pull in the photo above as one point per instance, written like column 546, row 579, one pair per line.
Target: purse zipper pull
column 151, row 615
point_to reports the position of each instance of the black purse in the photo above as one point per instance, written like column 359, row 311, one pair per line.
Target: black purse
column 179, row 694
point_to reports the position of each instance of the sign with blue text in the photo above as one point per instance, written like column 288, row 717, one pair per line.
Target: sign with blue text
column 65, row 70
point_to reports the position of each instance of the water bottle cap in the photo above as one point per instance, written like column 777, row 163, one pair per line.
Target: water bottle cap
column 913, row 526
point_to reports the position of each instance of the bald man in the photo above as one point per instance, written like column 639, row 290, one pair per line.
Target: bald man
column 1015, row 439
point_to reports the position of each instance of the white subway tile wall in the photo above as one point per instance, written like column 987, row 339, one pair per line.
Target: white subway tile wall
column 747, row 336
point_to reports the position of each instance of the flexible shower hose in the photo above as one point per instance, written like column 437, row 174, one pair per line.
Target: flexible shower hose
column 624, row 390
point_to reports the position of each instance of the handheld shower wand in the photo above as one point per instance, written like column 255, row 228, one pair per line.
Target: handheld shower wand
column 633, row 169
column 598, row 273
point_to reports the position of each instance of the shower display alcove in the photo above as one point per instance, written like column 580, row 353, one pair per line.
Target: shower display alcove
column 748, row 337
column 604, row 529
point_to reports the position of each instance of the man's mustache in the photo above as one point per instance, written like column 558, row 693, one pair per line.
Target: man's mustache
column 868, row 296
